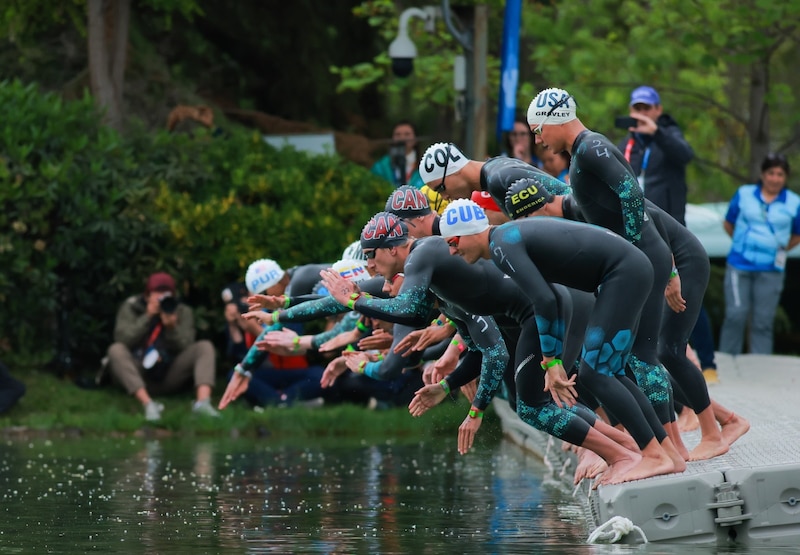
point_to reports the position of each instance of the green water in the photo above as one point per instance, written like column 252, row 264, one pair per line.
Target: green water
column 179, row 496
column 254, row 496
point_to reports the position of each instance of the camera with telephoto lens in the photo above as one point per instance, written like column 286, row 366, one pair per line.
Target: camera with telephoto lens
column 234, row 293
column 168, row 304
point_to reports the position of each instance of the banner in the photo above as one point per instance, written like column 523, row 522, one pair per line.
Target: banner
column 509, row 68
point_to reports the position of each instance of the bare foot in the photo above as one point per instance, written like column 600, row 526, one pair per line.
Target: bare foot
column 654, row 464
column 619, row 469
column 708, row 449
column 687, row 420
column 678, row 458
column 677, row 441
column 734, row 428
column 590, row 465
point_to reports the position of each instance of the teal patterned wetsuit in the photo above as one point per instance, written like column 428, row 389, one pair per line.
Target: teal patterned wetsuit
column 539, row 251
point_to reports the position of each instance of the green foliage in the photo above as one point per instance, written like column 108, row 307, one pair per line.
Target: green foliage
column 87, row 215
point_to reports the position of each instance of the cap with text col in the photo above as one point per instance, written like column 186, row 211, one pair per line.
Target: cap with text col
column 441, row 160
column 463, row 217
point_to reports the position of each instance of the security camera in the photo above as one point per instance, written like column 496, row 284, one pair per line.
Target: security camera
column 402, row 52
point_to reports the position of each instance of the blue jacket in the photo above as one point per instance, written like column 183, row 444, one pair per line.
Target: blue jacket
column 760, row 229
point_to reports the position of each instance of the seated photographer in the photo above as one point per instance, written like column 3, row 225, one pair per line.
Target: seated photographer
column 155, row 352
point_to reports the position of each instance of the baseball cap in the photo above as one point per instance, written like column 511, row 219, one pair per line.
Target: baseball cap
column 551, row 107
column 438, row 157
column 484, row 200
column 352, row 270
column 645, row 95
column 160, row 281
column 463, row 217
column 408, row 202
column 525, row 196
column 263, row 274
column 383, row 230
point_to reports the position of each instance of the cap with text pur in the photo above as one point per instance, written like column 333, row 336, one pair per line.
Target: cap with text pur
column 161, row 282
column 262, row 274
column 552, row 107
column 524, row 197
column 383, row 230
column 441, row 160
column 463, row 217
column 408, row 202
column 352, row 270
column 645, row 95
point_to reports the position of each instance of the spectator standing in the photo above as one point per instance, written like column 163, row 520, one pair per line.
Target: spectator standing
column 155, row 351
column 659, row 154
column 764, row 221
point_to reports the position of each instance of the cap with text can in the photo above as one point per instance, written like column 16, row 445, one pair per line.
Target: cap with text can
column 645, row 95
column 463, row 217
column 408, row 202
column 437, row 158
column 262, row 274
column 552, row 107
column 383, row 230
column 352, row 270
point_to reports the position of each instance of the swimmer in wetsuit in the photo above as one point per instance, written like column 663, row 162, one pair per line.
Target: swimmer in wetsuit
column 608, row 193
column 528, row 197
column 537, row 252
column 483, row 293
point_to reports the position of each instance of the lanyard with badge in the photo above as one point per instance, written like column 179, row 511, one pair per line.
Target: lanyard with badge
column 645, row 160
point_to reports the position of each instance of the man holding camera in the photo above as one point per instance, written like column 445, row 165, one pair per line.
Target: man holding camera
column 155, row 351
column 657, row 152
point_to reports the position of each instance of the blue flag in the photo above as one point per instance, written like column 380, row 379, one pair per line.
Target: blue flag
column 509, row 68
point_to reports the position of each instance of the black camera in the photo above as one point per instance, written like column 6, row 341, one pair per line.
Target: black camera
column 234, row 293
column 168, row 304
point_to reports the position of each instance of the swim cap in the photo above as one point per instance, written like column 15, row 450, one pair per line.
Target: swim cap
column 551, row 107
column 352, row 270
column 463, row 217
column 383, row 230
column 438, row 157
column 262, row 274
column 525, row 196
column 408, row 202
column 353, row 252
column 484, row 200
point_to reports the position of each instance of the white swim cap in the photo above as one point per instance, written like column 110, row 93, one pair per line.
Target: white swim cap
column 352, row 270
column 438, row 157
column 463, row 217
column 262, row 274
column 551, row 107
column 353, row 252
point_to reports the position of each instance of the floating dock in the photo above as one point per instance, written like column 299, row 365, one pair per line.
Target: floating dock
column 750, row 496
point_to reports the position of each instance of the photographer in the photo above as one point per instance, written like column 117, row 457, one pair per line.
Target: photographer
column 155, row 351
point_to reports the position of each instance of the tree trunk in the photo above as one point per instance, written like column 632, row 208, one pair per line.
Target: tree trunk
column 107, row 44
column 759, row 116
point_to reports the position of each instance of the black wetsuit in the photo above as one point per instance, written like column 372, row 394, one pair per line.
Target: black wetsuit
column 538, row 251
column 694, row 269
column 477, row 292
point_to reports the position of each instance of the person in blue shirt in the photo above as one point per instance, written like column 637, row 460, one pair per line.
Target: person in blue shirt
column 764, row 221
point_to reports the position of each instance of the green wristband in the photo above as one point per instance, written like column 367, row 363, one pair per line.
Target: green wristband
column 445, row 386
column 475, row 413
column 548, row 365
column 275, row 317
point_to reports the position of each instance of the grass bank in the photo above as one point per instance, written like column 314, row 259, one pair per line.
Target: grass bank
column 53, row 406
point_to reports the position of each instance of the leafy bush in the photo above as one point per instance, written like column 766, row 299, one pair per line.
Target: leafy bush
column 88, row 214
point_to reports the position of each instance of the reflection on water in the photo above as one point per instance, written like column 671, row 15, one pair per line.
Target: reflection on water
column 245, row 496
